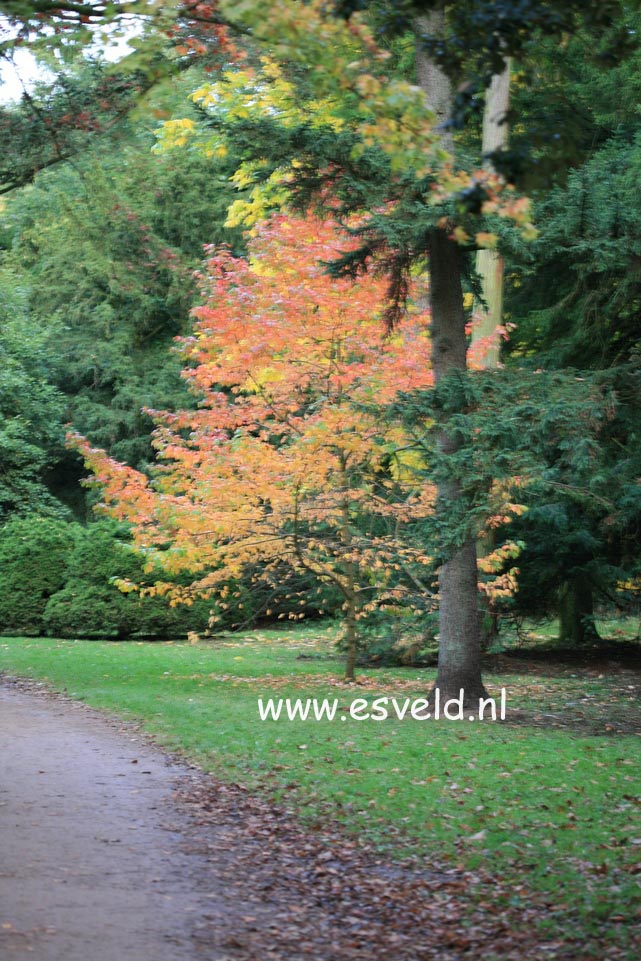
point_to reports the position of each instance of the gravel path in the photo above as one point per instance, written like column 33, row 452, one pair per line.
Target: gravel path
column 94, row 861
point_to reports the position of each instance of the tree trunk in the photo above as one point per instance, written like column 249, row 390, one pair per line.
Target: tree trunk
column 431, row 79
column 489, row 263
column 351, row 641
column 351, row 630
column 576, row 613
column 486, row 343
column 489, row 267
column 489, row 626
column 459, row 657
column 459, row 664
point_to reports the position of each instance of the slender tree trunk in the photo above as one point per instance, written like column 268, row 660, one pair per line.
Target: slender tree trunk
column 459, row 663
column 351, row 640
column 576, row 613
column 486, row 344
column 490, row 622
column 351, row 631
column 489, row 263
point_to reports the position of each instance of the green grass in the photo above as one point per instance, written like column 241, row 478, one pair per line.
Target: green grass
column 546, row 632
column 556, row 809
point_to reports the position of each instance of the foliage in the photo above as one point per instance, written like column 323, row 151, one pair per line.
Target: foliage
column 285, row 461
column 95, row 283
column 31, row 409
column 577, row 300
column 89, row 605
column 548, row 466
column 574, row 295
column 348, row 130
column 57, row 578
column 166, row 37
column 104, row 252
column 60, row 120
column 34, row 553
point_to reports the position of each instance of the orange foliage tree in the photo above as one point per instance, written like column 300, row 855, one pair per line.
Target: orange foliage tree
column 290, row 457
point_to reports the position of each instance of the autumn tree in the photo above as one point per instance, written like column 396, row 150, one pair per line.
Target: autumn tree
column 371, row 141
column 395, row 155
column 288, row 459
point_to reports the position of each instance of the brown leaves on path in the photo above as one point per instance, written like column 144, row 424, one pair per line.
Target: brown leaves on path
column 314, row 892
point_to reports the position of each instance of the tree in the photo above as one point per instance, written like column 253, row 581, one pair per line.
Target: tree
column 465, row 52
column 574, row 298
column 459, row 652
column 62, row 119
column 86, row 99
column 103, row 252
column 370, row 143
column 549, row 466
column 286, row 460
column 32, row 410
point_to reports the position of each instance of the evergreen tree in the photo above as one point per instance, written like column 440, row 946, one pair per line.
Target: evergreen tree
column 31, row 408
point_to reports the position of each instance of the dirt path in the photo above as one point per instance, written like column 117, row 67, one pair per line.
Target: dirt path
column 92, row 858
column 109, row 851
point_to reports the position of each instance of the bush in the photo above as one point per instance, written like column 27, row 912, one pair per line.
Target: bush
column 56, row 578
column 34, row 554
column 88, row 610
column 395, row 636
column 90, row 605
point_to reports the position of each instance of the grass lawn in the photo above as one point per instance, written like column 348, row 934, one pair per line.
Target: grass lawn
column 550, row 798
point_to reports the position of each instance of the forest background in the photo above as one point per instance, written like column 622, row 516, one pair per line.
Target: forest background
column 116, row 178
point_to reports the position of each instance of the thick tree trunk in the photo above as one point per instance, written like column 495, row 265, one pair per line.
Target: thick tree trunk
column 459, row 659
column 576, row 613
column 431, row 79
column 459, row 645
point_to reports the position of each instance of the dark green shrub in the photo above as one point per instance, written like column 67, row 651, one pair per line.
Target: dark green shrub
column 34, row 554
column 57, row 578
column 396, row 637
column 91, row 605
column 82, row 609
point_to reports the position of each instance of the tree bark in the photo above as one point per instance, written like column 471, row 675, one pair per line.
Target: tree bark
column 576, row 613
column 489, row 263
column 459, row 657
column 459, row 663
column 489, row 267
column 351, row 641
column 351, row 630
column 436, row 85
